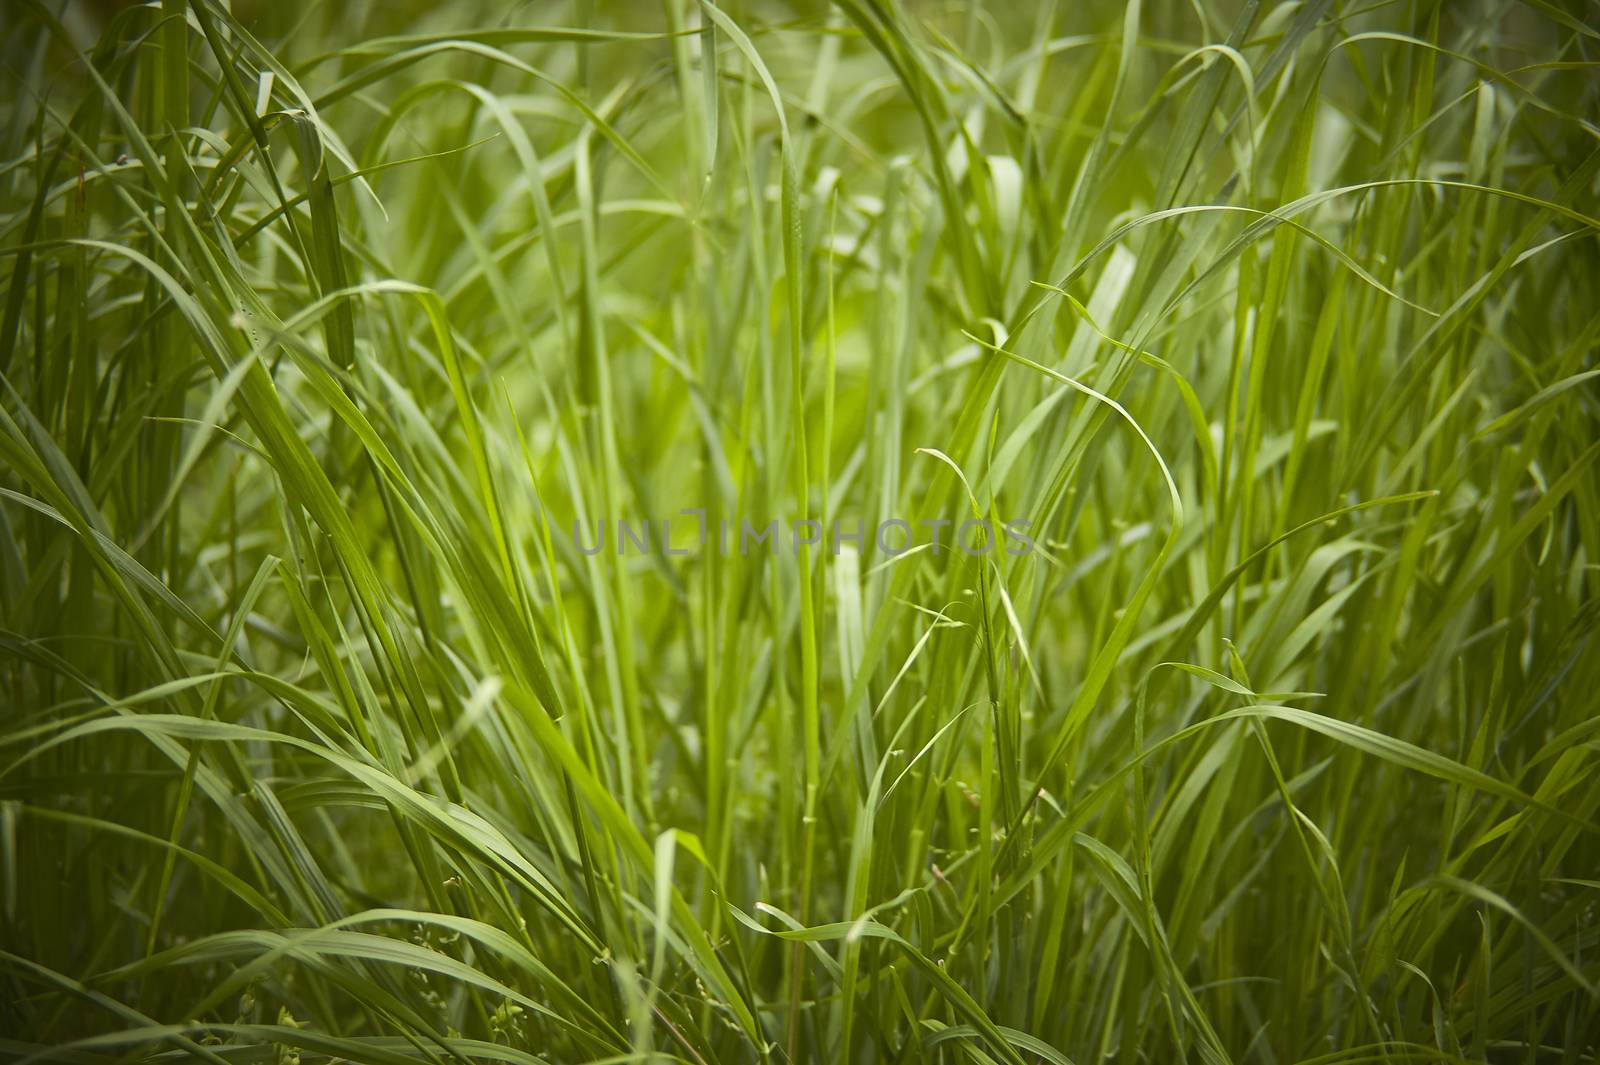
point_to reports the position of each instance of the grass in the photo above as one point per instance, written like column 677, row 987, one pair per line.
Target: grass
column 323, row 737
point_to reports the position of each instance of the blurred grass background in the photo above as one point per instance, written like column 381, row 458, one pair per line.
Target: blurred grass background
column 323, row 324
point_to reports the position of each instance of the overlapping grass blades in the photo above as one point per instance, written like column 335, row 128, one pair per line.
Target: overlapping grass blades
column 325, row 735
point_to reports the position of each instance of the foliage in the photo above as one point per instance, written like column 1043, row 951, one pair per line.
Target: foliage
column 324, row 737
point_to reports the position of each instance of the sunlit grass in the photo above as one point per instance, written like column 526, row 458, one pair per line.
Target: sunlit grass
column 332, row 336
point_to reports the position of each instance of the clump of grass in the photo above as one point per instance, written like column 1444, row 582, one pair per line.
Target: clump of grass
column 325, row 738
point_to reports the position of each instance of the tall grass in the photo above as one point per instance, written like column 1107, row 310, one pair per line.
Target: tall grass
column 324, row 737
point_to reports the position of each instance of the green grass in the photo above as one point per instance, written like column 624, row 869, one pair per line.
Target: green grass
column 322, row 739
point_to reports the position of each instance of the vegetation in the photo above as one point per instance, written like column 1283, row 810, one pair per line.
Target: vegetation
column 332, row 335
